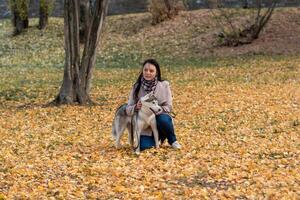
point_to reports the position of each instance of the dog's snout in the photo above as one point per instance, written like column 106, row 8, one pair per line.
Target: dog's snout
column 159, row 110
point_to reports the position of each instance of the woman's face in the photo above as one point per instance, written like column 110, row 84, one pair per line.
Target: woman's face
column 149, row 71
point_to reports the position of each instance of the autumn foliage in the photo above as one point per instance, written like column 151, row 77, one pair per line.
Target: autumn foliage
column 239, row 127
column 162, row 10
column 237, row 120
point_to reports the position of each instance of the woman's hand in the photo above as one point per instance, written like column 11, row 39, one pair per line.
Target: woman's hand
column 138, row 105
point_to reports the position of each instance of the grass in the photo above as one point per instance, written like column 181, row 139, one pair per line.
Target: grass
column 129, row 39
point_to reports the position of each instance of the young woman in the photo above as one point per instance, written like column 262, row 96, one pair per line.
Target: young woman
column 150, row 80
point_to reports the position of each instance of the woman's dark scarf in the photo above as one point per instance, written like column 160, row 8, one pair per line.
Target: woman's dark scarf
column 149, row 85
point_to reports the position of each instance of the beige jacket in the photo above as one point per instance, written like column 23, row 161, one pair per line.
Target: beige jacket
column 164, row 98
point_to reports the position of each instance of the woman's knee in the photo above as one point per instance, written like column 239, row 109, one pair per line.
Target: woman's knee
column 163, row 119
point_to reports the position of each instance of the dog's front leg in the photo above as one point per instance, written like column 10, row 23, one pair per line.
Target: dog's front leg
column 130, row 134
column 137, row 132
column 155, row 132
column 138, row 139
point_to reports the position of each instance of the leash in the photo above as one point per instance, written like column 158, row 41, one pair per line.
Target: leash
column 173, row 114
column 152, row 111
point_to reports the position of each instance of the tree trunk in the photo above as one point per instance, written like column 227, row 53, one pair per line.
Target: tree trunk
column 78, row 74
column 245, row 4
column 168, row 5
column 19, row 11
column 162, row 10
column 233, row 35
column 84, row 16
column 44, row 13
column 263, row 20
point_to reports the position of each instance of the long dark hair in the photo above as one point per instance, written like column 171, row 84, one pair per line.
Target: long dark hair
column 138, row 82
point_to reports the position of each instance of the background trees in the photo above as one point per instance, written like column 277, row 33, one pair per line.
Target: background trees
column 164, row 9
column 255, row 19
column 85, row 15
column 19, row 10
column 46, row 7
column 78, row 69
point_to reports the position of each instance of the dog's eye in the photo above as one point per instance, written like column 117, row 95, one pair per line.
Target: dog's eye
column 153, row 102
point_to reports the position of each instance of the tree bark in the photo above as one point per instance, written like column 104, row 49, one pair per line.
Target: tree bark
column 237, row 36
column 263, row 20
column 245, row 4
column 168, row 5
column 162, row 10
column 84, row 16
column 44, row 13
column 19, row 16
column 78, row 73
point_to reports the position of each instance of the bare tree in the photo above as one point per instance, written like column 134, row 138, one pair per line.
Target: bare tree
column 234, row 34
column 245, row 4
column 78, row 72
column 162, row 10
column 46, row 7
column 19, row 9
column 85, row 14
column 261, row 20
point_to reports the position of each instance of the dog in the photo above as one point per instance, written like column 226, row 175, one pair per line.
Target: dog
column 135, row 124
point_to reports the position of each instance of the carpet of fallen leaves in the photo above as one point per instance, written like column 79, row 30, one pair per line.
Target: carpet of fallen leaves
column 239, row 128
column 238, row 120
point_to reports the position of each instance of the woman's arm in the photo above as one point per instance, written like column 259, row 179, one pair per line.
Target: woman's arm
column 167, row 103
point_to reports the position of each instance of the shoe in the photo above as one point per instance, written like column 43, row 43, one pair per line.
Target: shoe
column 176, row 145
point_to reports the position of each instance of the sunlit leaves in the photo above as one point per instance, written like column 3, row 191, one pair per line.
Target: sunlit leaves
column 238, row 122
column 239, row 128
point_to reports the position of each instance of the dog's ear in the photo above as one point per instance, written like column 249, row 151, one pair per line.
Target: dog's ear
column 152, row 97
column 149, row 97
column 145, row 98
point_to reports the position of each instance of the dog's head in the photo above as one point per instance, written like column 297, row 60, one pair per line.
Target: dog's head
column 150, row 101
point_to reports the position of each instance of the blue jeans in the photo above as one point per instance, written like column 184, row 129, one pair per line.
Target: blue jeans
column 165, row 130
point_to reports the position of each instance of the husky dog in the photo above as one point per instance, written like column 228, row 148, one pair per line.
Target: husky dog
column 135, row 124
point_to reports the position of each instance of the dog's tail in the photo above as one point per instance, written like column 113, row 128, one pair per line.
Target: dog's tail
column 114, row 131
column 121, row 110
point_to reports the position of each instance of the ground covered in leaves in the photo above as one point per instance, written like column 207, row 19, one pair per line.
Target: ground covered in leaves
column 239, row 127
column 237, row 120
